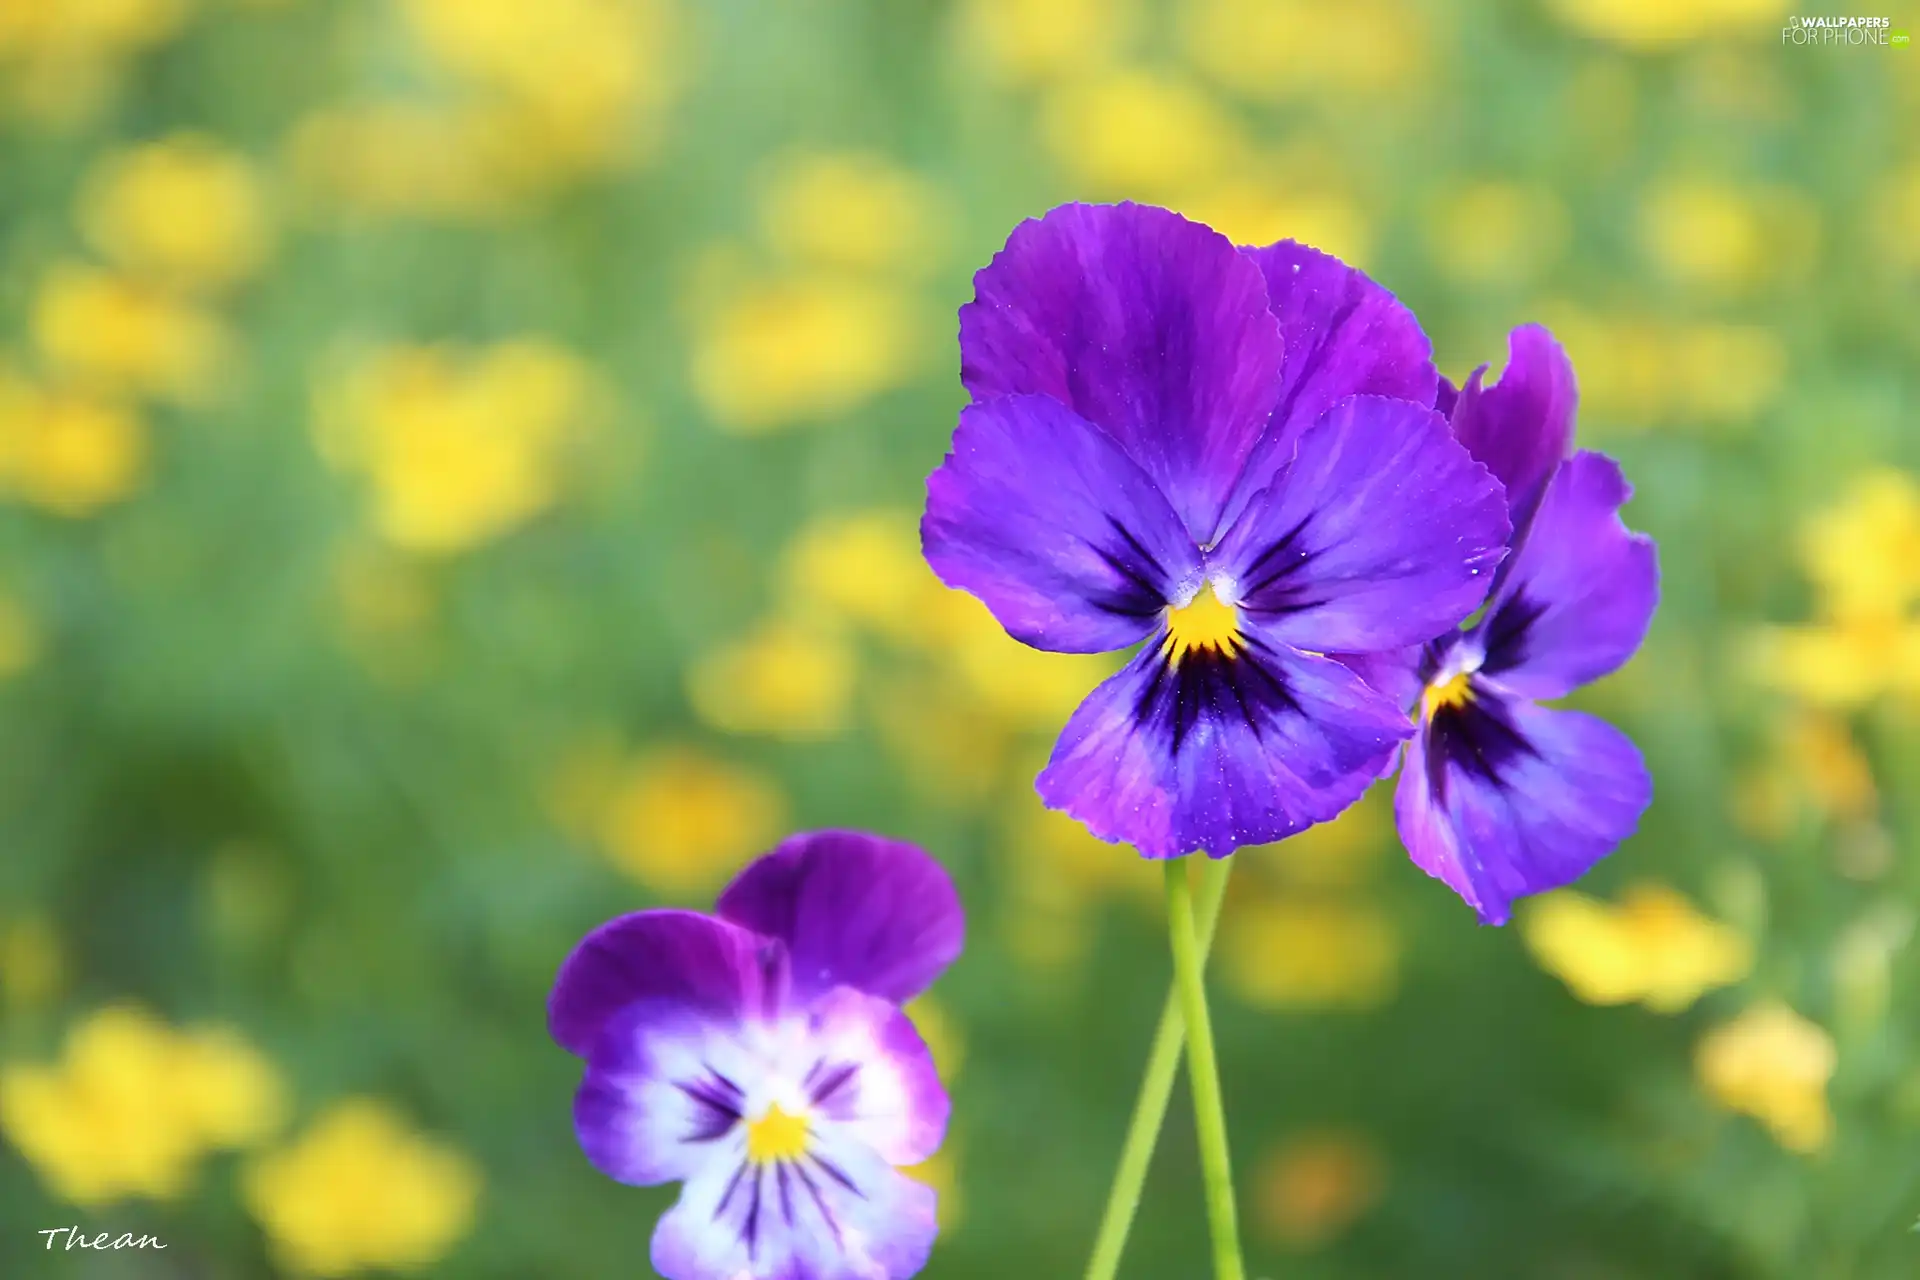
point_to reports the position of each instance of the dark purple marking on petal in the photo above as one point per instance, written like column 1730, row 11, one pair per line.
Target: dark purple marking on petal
column 835, row 1172
column 783, row 1179
column 1477, row 737
column 1215, row 752
column 853, row 909
column 1345, row 335
column 733, row 1184
column 1507, row 631
column 1581, row 591
column 1381, row 532
column 824, row 1082
column 750, row 1228
column 1045, row 518
column 820, row 1200
column 1501, row 798
column 719, row 1106
column 1152, row 327
column 705, row 964
column 636, row 1120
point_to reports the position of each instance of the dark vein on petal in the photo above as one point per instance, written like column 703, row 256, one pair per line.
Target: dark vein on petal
column 819, row 1200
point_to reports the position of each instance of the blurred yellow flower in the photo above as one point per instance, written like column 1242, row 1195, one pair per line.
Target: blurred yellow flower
column 852, row 210
column 184, row 212
column 1651, row 947
column 32, row 967
column 680, row 821
column 461, row 446
column 360, row 1190
column 1057, row 876
column 1140, row 133
column 60, row 61
column 1843, row 666
column 1337, row 854
column 1313, row 1186
column 621, row 59
column 1814, row 761
column 1041, row 838
column 231, row 1094
column 1652, row 25
column 785, row 679
column 951, row 749
column 1863, row 553
column 122, row 335
column 133, row 1105
column 378, row 159
column 1638, row 373
column 865, row 568
column 1498, row 233
column 1259, row 212
column 1716, row 236
column 66, row 452
column 809, row 347
column 1029, row 41
column 1724, row 373
column 1896, row 217
column 1277, row 50
column 1863, row 556
column 1310, row 953
column 1027, row 688
column 101, row 26
column 1772, row 1064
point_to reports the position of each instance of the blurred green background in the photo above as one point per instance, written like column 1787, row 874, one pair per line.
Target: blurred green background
column 458, row 471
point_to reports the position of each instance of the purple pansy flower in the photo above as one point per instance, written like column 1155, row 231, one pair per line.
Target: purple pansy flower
column 1233, row 455
column 1500, row 797
column 759, row 1056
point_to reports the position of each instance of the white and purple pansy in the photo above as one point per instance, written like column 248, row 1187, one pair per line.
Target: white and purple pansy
column 1233, row 455
column 759, row 1056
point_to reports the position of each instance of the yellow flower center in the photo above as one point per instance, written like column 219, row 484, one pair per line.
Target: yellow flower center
column 1454, row 691
column 776, row 1136
column 1204, row 622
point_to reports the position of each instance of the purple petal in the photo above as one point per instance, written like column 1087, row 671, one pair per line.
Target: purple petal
column 1219, row 752
column 1501, row 798
column 847, row 1215
column 1150, row 326
column 1043, row 517
column 1345, row 335
column 854, row 910
column 1394, row 673
column 1577, row 600
column 1522, row 426
column 1380, row 533
column 663, row 1094
column 709, row 965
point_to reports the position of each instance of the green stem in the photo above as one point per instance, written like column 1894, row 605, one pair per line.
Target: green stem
column 1203, row 1073
column 1156, row 1091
